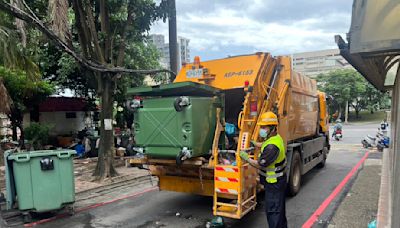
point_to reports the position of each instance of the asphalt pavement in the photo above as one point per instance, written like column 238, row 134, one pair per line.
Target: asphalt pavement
column 171, row 209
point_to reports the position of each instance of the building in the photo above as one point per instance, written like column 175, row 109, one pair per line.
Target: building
column 66, row 115
column 314, row 63
column 184, row 50
column 163, row 47
column 373, row 48
column 159, row 42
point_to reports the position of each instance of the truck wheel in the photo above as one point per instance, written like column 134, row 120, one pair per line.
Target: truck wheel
column 322, row 163
column 295, row 175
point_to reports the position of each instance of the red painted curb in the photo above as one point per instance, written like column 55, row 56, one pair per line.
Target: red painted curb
column 89, row 207
column 336, row 191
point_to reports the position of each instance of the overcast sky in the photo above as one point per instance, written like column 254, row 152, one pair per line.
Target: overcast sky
column 218, row 28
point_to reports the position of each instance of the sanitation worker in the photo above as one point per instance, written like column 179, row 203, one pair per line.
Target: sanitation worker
column 272, row 167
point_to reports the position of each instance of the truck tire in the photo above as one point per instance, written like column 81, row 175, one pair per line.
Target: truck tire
column 324, row 153
column 295, row 175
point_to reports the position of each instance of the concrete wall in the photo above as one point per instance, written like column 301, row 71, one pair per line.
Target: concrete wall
column 394, row 172
column 61, row 124
column 389, row 199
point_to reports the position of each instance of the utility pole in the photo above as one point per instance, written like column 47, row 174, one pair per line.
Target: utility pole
column 173, row 39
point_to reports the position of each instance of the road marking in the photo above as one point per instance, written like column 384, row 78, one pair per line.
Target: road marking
column 90, row 207
column 314, row 217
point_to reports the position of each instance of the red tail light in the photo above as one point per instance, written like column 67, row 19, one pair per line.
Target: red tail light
column 253, row 108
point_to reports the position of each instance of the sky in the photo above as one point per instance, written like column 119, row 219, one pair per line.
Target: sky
column 221, row 28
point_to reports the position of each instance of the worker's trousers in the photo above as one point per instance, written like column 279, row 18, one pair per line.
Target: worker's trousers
column 275, row 209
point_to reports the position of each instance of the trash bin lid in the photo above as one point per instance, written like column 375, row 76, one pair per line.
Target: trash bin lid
column 175, row 89
column 26, row 156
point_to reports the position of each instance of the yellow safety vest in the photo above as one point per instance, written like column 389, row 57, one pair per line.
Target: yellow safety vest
column 278, row 167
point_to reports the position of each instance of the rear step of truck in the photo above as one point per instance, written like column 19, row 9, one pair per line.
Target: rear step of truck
column 238, row 183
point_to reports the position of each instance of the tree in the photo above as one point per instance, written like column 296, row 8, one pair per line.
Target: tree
column 102, row 30
column 18, row 70
column 374, row 98
column 349, row 87
column 25, row 94
column 344, row 86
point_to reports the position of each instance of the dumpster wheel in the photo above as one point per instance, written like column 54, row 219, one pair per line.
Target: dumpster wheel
column 70, row 209
column 27, row 217
column 179, row 159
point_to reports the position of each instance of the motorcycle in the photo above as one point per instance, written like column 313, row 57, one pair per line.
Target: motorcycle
column 383, row 141
column 380, row 141
column 368, row 141
column 338, row 134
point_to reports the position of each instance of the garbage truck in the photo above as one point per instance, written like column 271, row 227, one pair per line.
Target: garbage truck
column 190, row 132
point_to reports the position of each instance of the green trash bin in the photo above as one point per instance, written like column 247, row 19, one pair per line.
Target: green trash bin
column 43, row 180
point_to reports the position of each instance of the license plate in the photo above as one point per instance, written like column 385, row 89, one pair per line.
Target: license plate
column 196, row 73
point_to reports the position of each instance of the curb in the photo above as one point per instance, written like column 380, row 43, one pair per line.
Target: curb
column 120, row 179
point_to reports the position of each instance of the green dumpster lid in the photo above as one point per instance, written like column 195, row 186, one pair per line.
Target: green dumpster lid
column 175, row 89
column 25, row 156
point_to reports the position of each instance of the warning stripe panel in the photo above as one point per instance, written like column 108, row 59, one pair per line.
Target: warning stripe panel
column 227, row 169
column 230, row 185
column 226, row 191
column 226, row 174
column 227, row 179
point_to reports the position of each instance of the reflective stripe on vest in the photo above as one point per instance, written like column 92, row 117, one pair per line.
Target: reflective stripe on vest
column 272, row 172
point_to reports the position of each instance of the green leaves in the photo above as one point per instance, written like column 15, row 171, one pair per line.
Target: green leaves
column 38, row 134
column 349, row 85
column 24, row 92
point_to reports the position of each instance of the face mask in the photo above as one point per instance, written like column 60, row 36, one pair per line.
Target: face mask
column 263, row 133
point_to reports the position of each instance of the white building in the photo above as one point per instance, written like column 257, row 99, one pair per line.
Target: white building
column 65, row 115
column 318, row 62
column 183, row 50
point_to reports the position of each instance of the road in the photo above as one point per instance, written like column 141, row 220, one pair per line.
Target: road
column 170, row 209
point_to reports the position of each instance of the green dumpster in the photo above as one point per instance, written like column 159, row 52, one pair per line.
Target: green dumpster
column 41, row 180
column 176, row 120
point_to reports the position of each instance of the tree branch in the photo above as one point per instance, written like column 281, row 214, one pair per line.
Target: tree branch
column 93, row 32
column 121, row 49
column 64, row 47
column 105, row 28
column 82, row 31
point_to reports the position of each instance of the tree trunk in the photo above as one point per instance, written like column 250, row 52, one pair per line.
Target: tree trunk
column 339, row 113
column 14, row 131
column 105, row 166
column 346, row 113
column 16, row 119
column 22, row 136
column 357, row 113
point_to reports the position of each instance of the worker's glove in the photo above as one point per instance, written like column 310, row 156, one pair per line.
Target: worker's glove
column 244, row 155
column 253, row 143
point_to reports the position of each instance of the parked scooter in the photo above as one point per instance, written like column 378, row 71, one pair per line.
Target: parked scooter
column 380, row 141
column 368, row 141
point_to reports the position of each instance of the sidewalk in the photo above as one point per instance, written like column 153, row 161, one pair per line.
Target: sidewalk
column 83, row 170
column 360, row 205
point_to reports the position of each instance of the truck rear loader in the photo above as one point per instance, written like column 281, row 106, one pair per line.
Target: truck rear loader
column 181, row 128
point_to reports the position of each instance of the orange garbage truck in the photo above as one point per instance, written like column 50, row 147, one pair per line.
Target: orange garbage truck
column 190, row 132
